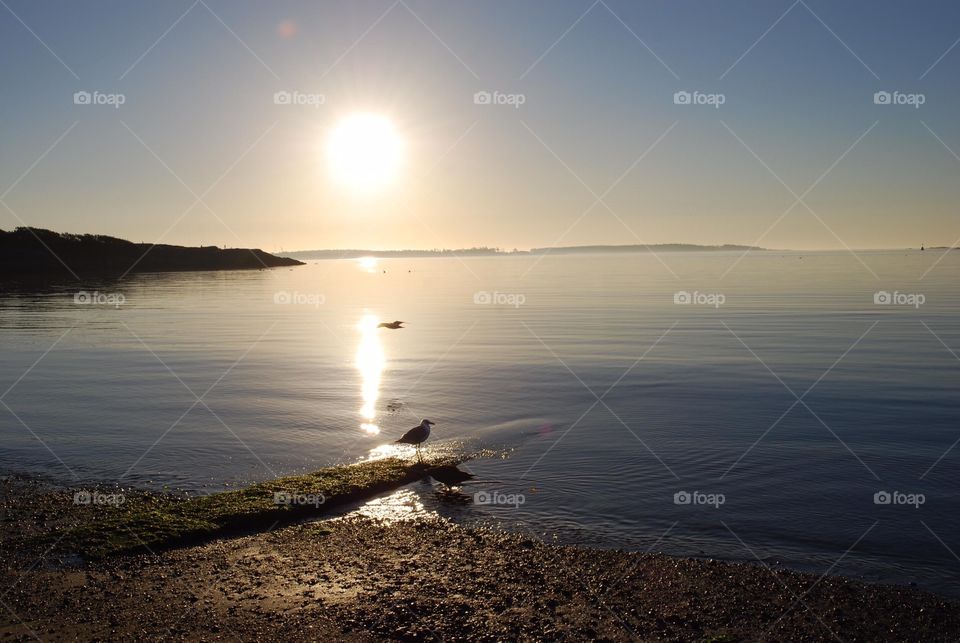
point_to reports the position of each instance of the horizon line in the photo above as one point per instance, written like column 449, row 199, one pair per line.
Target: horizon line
column 486, row 250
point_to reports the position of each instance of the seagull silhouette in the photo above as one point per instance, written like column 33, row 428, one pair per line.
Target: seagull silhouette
column 416, row 436
column 394, row 325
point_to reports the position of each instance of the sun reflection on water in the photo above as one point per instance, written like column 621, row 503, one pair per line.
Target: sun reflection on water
column 404, row 504
column 388, row 451
column 370, row 362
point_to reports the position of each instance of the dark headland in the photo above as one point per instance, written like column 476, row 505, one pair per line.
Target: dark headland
column 35, row 251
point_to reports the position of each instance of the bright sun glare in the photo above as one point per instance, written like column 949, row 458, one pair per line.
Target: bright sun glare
column 364, row 152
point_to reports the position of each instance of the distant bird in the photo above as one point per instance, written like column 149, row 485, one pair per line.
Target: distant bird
column 416, row 436
column 449, row 475
column 394, row 325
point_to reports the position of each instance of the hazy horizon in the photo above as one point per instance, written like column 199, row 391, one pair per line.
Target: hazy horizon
column 512, row 248
column 614, row 247
column 639, row 247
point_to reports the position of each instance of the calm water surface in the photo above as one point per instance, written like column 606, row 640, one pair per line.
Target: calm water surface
column 606, row 397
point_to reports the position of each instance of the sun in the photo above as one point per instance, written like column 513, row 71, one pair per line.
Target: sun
column 364, row 152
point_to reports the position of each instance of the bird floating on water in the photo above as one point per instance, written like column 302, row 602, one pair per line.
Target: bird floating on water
column 394, row 325
column 417, row 436
column 449, row 475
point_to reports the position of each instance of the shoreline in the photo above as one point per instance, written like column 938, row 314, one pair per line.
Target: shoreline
column 356, row 578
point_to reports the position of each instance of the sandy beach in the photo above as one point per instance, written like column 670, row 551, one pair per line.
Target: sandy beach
column 354, row 578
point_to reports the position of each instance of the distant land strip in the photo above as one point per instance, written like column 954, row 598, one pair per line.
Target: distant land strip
column 488, row 252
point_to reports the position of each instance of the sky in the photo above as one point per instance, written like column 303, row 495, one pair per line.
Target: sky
column 587, row 141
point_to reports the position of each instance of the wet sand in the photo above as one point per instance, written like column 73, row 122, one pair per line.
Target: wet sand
column 355, row 578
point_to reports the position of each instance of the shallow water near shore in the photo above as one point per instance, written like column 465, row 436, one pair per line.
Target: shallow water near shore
column 698, row 445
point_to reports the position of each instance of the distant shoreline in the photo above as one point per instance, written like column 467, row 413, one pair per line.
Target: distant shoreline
column 353, row 253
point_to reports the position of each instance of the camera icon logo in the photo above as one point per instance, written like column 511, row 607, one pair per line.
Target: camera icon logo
column 682, row 498
column 682, row 297
column 882, row 98
column 82, row 297
column 482, row 498
column 81, row 98
column 482, row 98
column 282, row 297
column 682, row 98
column 82, row 498
column 282, row 98
column 882, row 498
column 882, row 298
column 482, row 297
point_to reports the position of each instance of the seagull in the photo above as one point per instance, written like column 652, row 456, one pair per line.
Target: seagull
column 449, row 475
column 417, row 435
column 394, row 325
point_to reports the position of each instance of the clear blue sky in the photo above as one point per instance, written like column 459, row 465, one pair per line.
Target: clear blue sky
column 201, row 100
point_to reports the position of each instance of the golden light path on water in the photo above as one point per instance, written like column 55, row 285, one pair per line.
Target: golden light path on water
column 403, row 504
column 370, row 362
